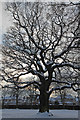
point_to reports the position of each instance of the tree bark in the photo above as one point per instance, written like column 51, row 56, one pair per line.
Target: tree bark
column 44, row 102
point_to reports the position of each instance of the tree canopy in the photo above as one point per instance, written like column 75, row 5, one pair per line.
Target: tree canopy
column 43, row 40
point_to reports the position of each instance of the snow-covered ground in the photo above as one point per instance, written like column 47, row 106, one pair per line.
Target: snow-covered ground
column 0, row 114
column 29, row 113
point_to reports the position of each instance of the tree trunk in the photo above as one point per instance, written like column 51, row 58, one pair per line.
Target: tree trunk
column 44, row 102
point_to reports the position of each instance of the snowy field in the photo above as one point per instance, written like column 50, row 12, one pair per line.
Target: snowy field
column 28, row 113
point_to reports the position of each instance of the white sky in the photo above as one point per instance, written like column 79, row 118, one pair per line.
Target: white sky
column 0, row 20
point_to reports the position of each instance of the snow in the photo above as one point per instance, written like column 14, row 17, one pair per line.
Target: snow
column 66, row 97
column 0, row 114
column 69, row 103
column 30, row 113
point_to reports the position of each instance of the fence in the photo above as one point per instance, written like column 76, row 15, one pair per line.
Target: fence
column 37, row 107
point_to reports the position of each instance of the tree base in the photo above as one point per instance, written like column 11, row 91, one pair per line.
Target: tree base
column 44, row 114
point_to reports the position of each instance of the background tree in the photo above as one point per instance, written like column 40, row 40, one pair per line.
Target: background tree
column 78, row 56
column 41, row 41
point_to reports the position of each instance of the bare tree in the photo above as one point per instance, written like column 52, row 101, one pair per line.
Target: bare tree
column 41, row 41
